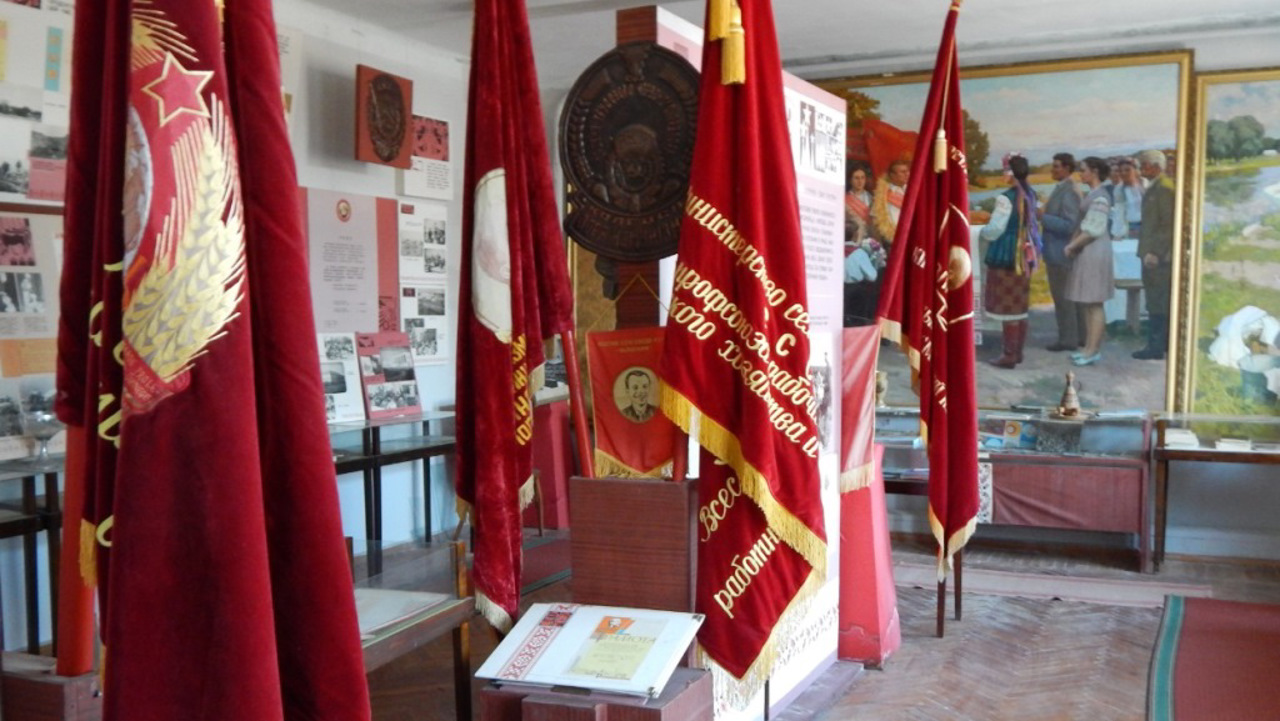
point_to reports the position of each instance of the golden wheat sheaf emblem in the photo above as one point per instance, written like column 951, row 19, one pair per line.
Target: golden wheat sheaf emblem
column 195, row 283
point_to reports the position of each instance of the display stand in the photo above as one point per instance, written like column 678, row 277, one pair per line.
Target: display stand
column 687, row 697
column 32, row 692
column 633, row 542
column 552, row 457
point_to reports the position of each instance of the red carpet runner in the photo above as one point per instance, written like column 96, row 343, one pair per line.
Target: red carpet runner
column 1215, row 660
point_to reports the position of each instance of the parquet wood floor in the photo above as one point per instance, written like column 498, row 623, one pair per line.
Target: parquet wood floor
column 1009, row 658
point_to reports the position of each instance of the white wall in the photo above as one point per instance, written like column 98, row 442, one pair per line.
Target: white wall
column 323, row 131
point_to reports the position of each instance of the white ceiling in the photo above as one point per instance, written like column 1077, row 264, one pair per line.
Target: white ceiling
column 827, row 38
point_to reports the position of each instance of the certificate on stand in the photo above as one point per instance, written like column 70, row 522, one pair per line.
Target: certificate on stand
column 609, row 649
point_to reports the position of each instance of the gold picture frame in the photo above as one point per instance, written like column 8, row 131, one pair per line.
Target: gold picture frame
column 1110, row 107
column 1233, row 221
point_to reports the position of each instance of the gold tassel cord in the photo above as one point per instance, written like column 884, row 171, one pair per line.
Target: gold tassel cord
column 733, row 58
column 718, row 19
column 88, row 553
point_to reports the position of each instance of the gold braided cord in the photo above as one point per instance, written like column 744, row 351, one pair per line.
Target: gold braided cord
column 88, row 553
column 725, row 446
column 196, row 281
column 764, row 665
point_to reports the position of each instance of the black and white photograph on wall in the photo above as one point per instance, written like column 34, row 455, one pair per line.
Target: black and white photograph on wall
column 430, row 301
column 340, row 373
column 9, row 293
column 397, row 364
column 16, row 241
column 30, row 292
column 393, row 396
column 433, row 231
column 411, row 245
column 423, row 229
column 15, row 161
column 424, row 343
column 22, row 102
column 370, row 365
column 424, row 317
column 338, row 346
column 433, row 260
column 332, row 376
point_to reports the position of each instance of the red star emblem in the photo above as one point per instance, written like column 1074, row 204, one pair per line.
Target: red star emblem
column 177, row 90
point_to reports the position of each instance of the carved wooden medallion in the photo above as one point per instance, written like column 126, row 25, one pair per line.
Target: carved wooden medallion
column 626, row 143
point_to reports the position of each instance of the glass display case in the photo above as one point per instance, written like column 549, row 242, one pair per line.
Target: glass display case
column 360, row 447
column 419, row 594
column 1207, row 439
column 1087, row 473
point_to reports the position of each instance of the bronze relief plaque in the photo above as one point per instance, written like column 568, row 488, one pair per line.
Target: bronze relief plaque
column 626, row 143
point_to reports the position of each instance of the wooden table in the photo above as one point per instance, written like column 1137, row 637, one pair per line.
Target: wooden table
column 1162, row 455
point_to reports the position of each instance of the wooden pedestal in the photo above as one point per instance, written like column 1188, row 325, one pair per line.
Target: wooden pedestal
column 633, row 542
column 687, row 697
column 33, row 693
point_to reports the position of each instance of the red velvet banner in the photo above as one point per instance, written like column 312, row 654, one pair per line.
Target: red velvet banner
column 633, row 438
column 514, row 292
column 927, row 304
column 226, row 590
column 736, row 354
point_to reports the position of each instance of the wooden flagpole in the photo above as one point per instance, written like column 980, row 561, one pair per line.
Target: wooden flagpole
column 577, row 405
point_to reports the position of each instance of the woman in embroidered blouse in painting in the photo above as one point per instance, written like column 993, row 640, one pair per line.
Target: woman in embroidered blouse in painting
column 1013, row 233
column 1092, row 279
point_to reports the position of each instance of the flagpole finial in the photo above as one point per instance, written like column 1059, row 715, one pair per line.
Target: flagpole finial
column 940, row 152
column 733, row 59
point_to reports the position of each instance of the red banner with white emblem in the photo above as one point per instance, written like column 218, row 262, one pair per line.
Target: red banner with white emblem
column 514, row 292
column 927, row 304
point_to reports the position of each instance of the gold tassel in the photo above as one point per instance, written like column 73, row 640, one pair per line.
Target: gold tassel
column 733, row 61
column 940, row 152
column 88, row 554
column 718, row 19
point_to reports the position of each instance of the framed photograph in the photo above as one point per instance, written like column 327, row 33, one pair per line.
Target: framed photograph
column 1233, row 337
column 1112, row 108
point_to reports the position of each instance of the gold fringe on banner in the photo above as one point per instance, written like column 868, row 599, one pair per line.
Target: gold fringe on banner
column 718, row 19
column 88, row 553
column 733, row 58
column 607, row 465
column 856, row 479
column 724, row 445
column 940, row 152
column 742, row 690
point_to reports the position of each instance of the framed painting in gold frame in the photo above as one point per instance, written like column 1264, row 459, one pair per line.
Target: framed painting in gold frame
column 1112, row 107
column 1232, row 339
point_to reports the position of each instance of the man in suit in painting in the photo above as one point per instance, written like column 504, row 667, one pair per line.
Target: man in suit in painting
column 1155, row 250
column 1059, row 219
